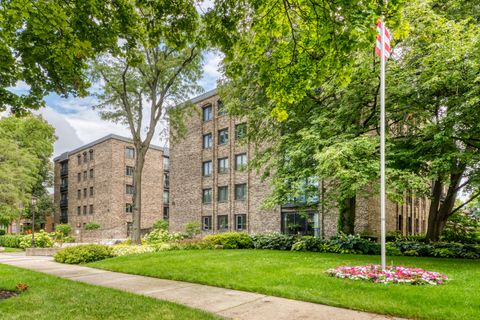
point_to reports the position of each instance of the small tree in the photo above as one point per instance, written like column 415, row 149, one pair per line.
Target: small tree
column 157, row 66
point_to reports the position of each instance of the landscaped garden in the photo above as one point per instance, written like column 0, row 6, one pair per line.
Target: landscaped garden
column 302, row 276
column 48, row 297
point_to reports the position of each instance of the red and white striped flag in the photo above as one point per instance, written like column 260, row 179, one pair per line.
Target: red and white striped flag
column 378, row 47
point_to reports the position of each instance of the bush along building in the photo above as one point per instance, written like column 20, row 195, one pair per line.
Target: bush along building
column 209, row 185
column 93, row 189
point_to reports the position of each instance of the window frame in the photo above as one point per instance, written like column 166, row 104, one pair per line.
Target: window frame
column 219, row 228
column 90, row 209
column 128, row 208
column 90, row 155
column 244, row 133
column 241, row 166
column 237, row 187
column 129, row 187
column 207, row 116
column 206, row 226
column 130, row 152
column 91, row 175
column 219, row 193
column 204, row 191
column 127, row 170
column 91, row 192
column 223, row 132
column 244, row 222
column 221, row 111
column 222, row 169
column 204, row 174
column 210, row 144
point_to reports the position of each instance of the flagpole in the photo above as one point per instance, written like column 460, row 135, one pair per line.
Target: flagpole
column 382, row 146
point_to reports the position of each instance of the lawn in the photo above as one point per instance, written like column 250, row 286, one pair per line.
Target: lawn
column 49, row 297
column 300, row 275
column 6, row 249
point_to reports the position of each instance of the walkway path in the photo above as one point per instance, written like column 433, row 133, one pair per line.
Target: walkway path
column 224, row 302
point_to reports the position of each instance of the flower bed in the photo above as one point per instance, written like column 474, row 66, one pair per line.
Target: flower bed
column 392, row 274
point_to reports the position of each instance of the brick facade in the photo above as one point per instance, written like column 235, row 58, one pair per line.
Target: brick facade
column 187, row 182
column 97, row 188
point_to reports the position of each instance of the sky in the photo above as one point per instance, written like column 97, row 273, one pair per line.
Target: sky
column 76, row 123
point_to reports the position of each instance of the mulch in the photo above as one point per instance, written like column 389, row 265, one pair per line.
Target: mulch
column 5, row 294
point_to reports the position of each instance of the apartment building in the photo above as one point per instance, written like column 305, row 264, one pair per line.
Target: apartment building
column 94, row 184
column 208, row 185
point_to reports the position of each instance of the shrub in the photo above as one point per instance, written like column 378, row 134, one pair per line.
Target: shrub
column 42, row 240
column 2, row 232
column 188, row 244
column 230, row 240
column 309, row 243
column 10, row 240
column 63, row 229
column 92, row 226
column 462, row 228
column 84, row 254
column 192, row 229
column 160, row 235
column 122, row 250
column 273, row 241
column 354, row 244
column 160, row 225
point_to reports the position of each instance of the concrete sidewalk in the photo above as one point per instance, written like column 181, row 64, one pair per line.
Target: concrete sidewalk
column 224, row 302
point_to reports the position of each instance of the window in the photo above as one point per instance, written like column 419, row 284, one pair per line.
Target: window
column 129, row 171
column 84, row 210
column 79, row 210
column 79, row 177
column 165, row 197
column 91, row 173
column 130, row 153
column 222, row 194
column 240, row 161
column 128, row 208
column 85, row 192
column 207, row 141
column 400, row 222
column 79, row 194
column 207, row 223
column 85, row 159
column 91, row 155
column 241, row 191
column 207, row 113
column 223, row 136
column 64, row 196
column 166, row 180
column 129, row 189
column 91, row 209
column 91, row 191
column 240, row 222
column 207, row 196
column 64, row 182
column 207, row 168
column 223, row 165
column 79, row 159
column 222, row 222
column 221, row 108
column 166, row 163
column 84, row 175
column 240, row 131
column 166, row 213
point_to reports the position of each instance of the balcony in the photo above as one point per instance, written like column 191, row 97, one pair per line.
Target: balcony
column 63, row 203
column 64, row 172
column 64, row 188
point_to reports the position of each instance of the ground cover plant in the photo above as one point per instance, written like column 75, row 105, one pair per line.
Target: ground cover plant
column 50, row 297
column 302, row 276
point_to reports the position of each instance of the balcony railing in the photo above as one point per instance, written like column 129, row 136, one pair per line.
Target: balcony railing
column 64, row 171
column 64, row 187
column 63, row 203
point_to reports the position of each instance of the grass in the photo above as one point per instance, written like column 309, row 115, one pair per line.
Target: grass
column 6, row 249
column 301, row 276
column 49, row 297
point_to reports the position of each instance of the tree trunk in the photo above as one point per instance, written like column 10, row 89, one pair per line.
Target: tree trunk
column 440, row 210
column 137, row 195
column 347, row 215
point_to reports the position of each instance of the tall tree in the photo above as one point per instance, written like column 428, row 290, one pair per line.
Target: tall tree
column 25, row 166
column 157, row 66
column 434, row 97
column 48, row 45
column 303, row 74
